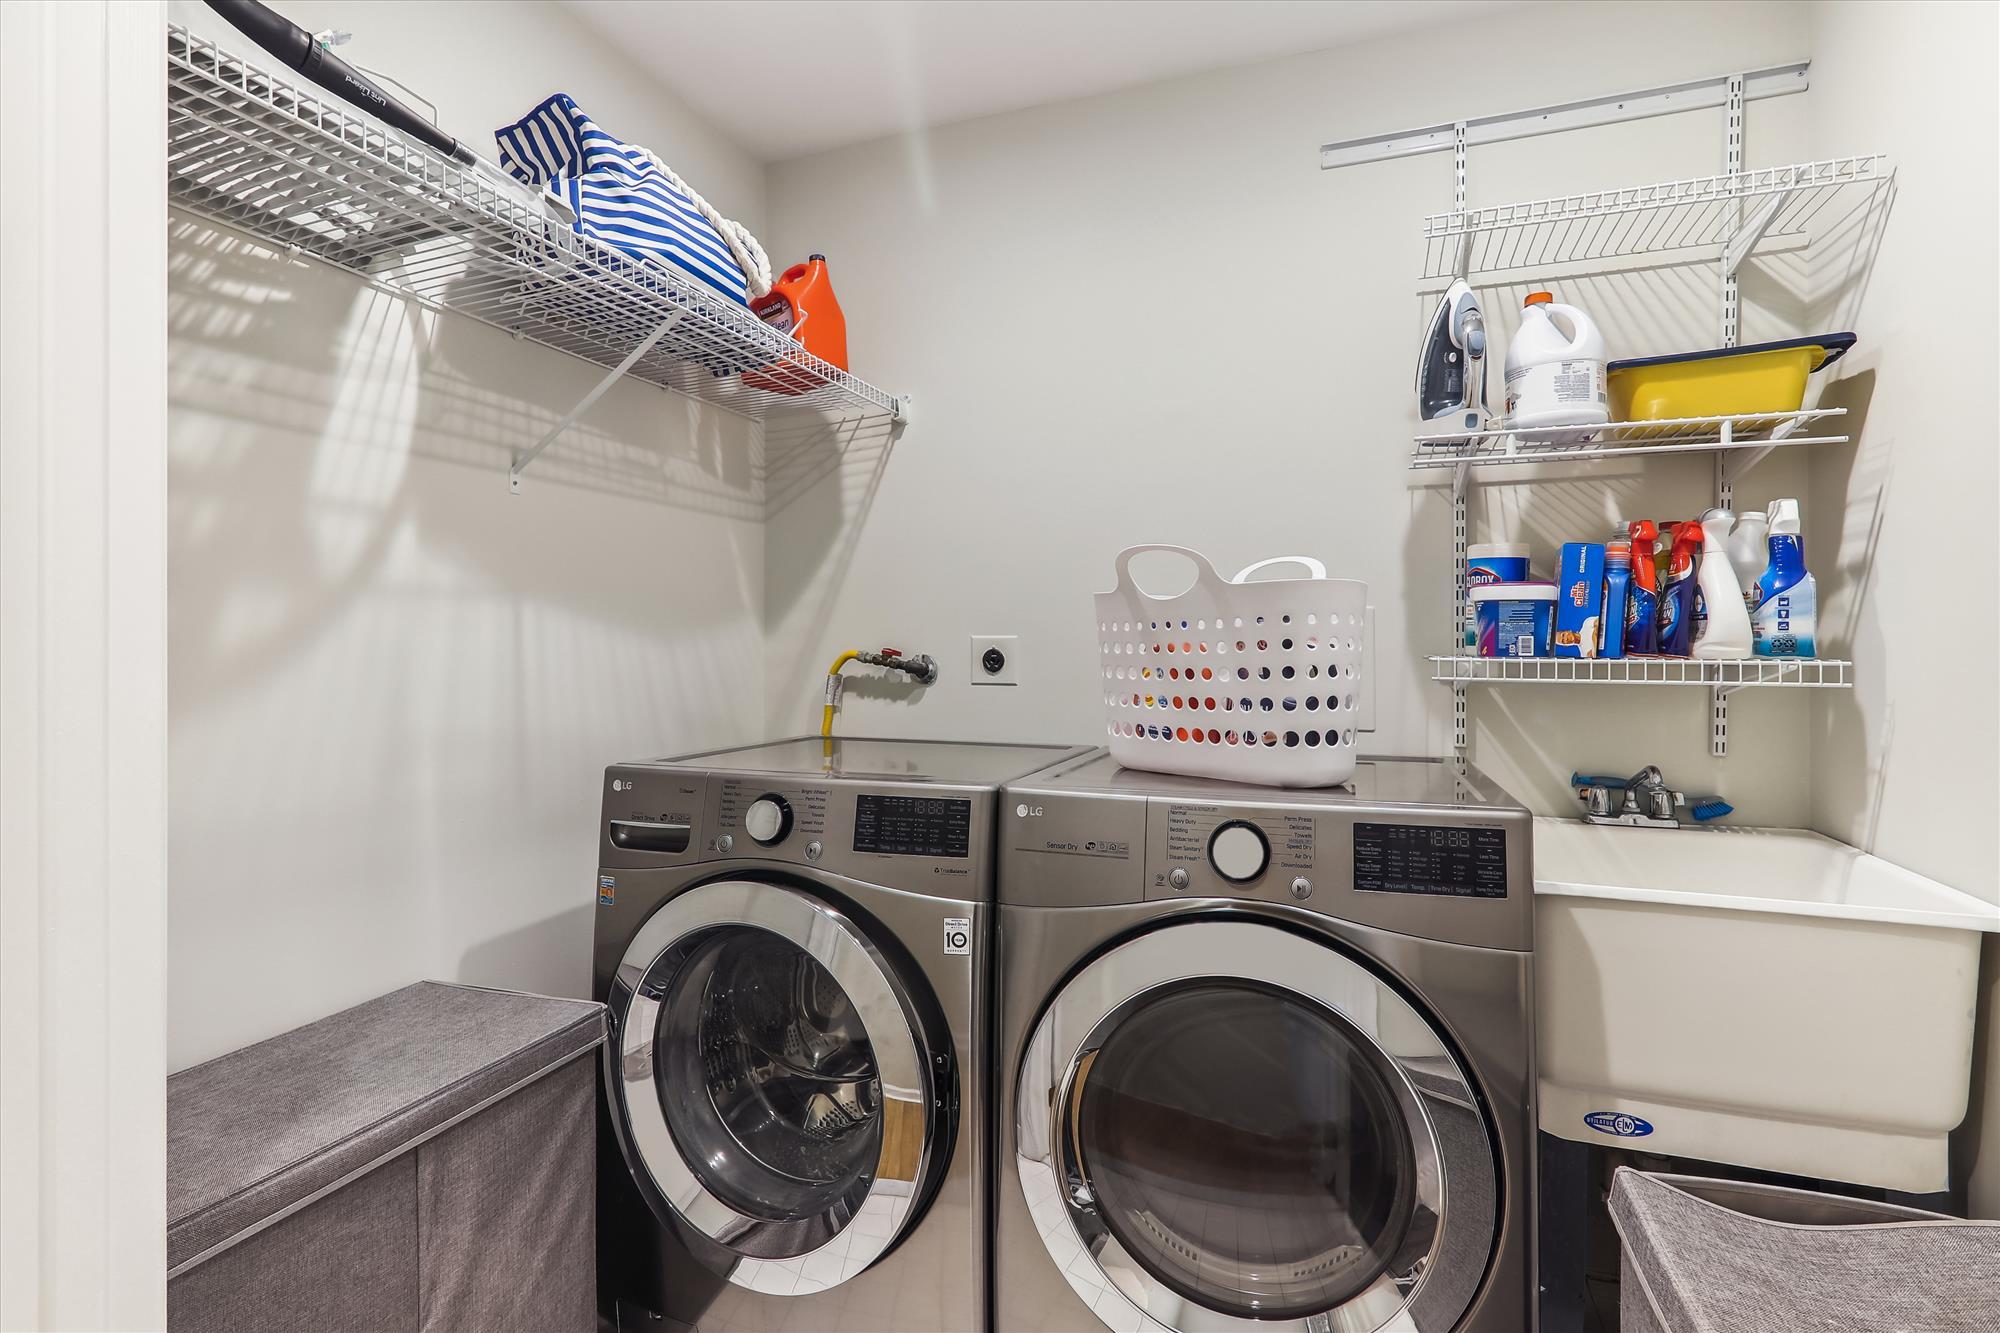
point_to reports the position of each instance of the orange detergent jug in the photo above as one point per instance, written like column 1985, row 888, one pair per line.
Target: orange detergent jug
column 801, row 303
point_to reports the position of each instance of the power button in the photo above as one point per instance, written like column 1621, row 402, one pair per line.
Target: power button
column 1177, row 877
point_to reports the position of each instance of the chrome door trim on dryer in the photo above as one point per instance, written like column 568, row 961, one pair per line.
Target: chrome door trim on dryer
column 1412, row 1060
column 902, row 1063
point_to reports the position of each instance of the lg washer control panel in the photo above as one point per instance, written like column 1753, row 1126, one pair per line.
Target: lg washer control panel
column 661, row 816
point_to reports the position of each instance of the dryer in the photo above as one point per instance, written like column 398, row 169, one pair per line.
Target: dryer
column 793, row 942
column 1267, row 1057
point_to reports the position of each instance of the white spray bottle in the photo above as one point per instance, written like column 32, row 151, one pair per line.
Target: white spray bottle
column 1725, row 633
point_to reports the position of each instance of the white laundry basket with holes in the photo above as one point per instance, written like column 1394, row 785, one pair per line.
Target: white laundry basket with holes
column 1250, row 681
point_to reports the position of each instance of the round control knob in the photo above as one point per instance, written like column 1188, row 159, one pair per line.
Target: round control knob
column 1177, row 877
column 768, row 819
column 1238, row 851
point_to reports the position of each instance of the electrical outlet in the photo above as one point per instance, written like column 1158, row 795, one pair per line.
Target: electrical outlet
column 996, row 659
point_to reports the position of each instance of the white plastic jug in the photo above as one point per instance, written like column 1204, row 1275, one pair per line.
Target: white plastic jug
column 1555, row 380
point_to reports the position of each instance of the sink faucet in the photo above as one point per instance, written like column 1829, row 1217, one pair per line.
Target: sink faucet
column 1643, row 800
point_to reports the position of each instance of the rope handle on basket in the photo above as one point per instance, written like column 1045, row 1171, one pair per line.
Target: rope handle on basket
column 1204, row 571
column 749, row 255
column 1318, row 569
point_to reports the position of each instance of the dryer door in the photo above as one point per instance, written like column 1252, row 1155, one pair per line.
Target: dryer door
column 1223, row 1125
column 772, row 1083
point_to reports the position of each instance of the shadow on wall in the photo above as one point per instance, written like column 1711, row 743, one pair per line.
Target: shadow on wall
column 1851, row 489
column 821, row 479
column 546, row 957
column 350, row 385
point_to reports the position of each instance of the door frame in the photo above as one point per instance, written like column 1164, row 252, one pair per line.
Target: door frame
column 83, row 665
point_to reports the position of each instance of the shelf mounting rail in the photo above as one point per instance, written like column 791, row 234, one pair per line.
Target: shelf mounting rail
column 1667, row 99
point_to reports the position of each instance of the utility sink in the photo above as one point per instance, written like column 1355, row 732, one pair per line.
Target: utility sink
column 1765, row 997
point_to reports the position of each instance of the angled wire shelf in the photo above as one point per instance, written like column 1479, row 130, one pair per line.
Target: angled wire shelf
column 1727, row 215
column 1729, row 674
column 1500, row 447
column 308, row 174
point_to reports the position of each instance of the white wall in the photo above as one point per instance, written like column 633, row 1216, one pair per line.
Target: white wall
column 83, row 668
column 1150, row 316
column 394, row 686
column 1908, row 763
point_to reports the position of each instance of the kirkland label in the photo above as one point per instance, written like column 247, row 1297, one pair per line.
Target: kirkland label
column 1619, row 1124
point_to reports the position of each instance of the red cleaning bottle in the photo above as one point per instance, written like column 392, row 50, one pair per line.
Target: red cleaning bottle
column 801, row 303
column 1642, row 607
column 1677, row 610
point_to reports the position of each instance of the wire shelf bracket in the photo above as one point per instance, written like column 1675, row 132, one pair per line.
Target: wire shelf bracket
column 308, row 175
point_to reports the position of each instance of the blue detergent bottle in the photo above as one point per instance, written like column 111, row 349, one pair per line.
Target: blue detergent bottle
column 1786, row 621
column 1617, row 586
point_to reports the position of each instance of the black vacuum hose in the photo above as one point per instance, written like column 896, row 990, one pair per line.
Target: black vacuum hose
column 295, row 46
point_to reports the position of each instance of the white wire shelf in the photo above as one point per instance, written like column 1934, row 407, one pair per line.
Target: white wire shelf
column 1731, row 674
column 1729, row 215
column 1501, row 447
column 308, row 174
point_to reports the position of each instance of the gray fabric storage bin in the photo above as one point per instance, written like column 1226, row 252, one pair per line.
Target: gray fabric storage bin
column 425, row 1162
column 1725, row 1256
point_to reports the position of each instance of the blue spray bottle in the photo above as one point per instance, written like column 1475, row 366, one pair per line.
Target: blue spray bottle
column 1786, row 621
column 1617, row 583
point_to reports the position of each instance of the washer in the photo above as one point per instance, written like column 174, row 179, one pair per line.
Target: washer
column 793, row 940
column 1267, row 1056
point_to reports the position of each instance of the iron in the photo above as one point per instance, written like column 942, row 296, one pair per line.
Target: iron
column 1451, row 368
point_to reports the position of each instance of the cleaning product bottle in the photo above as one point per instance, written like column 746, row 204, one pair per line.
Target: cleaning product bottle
column 1787, row 619
column 1642, row 612
column 1725, row 629
column 1555, row 380
column 1617, row 582
column 801, row 303
column 1748, row 552
column 1677, row 597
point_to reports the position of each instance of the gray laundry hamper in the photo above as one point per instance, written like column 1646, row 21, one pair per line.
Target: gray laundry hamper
column 1723, row 1256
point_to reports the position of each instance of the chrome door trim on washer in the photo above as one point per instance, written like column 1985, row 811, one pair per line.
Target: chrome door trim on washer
column 902, row 1063
column 1090, row 1006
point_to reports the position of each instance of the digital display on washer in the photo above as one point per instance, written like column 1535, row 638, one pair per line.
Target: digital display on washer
column 1449, row 861
column 913, row 826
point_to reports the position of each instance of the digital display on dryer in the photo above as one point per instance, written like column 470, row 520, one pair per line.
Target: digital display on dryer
column 1443, row 860
column 913, row 826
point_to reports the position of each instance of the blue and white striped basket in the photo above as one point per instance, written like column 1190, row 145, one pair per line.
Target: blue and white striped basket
column 618, row 195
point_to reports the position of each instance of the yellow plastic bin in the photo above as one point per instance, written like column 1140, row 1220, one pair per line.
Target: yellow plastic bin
column 1721, row 382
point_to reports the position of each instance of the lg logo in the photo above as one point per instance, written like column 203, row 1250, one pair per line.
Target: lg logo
column 1026, row 811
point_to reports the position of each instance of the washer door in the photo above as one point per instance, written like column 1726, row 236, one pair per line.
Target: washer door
column 773, row 1084
column 1227, row 1126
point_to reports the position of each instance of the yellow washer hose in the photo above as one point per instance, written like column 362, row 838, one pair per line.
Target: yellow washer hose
column 833, row 692
column 920, row 668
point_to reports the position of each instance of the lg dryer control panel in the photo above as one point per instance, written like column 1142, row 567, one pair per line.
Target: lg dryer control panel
column 1425, row 868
